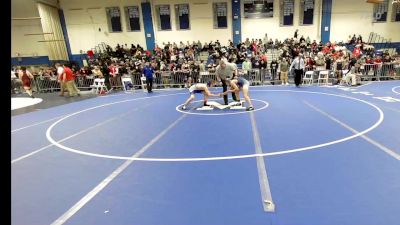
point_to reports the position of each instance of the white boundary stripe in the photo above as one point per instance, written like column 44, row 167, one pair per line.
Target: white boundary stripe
column 71, row 136
column 83, row 201
column 363, row 85
column 380, row 146
column 18, row 129
column 393, row 90
column 129, row 93
column 266, row 195
column 390, row 108
column 222, row 113
column 113, row 95
column 380, row 120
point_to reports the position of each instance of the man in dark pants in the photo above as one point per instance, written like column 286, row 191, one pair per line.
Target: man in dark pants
column 106, row 73
column 225, row 71
column 148, row 72
column 298, row 65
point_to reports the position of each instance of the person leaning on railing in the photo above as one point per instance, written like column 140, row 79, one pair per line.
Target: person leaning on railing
column 97, row 72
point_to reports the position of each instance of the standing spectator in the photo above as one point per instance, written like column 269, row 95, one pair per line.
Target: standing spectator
column 295, row 33
column 67, row 79
column 298, row 65
column 60, row 73
column 338, row 68
column 113, row 74
column 148, row 73
column 25, row 76
column 246, row 66
column 202, row 66
column 106, row 73
column 284, row 67
column 71, row 86
column 274, row 69
column 328, row 62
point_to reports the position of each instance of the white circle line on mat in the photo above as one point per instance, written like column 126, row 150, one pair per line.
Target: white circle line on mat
column 377, row 123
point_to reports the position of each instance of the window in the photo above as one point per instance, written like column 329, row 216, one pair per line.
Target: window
column 163, row 17
column 381, row 11
column 306, row 12
column 220, row 14
column 286, row 12
column 396, row 12
column 258, row 9
column 182, row 16
column 114, row 19
column 132, row 18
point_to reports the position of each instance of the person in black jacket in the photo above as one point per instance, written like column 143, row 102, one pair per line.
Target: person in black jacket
column 274, row 67
column 106, row 73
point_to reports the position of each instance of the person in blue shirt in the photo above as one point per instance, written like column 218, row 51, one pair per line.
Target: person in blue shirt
column 148, row 73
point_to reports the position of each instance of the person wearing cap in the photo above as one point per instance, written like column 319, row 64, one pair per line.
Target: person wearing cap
column 224, row 71
column 298, row 65
column 200, row 88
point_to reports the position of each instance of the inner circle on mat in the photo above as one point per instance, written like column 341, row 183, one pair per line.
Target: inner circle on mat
column 220, row 112
column 394, row 88
column 280, row 152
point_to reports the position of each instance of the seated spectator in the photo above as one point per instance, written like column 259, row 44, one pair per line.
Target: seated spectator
column 97, row 72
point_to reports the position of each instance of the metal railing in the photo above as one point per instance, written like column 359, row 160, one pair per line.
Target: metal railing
column 180, row 79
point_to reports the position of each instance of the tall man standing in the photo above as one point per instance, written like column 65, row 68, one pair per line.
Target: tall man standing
column 224, row 71
column 298, row 64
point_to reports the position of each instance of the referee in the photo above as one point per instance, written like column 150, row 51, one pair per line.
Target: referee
column 224, row 71
column 298, row 64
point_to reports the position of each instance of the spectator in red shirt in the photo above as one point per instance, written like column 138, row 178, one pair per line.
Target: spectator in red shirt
column 378, row 60
column 369, row 60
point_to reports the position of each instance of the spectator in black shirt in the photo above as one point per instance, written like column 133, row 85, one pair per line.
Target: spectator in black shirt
column 328, row 62
column 274, row 67
column 302, row 39
column 106, row 73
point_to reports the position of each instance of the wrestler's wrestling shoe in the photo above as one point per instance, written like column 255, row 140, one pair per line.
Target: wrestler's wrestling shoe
column 237, row 103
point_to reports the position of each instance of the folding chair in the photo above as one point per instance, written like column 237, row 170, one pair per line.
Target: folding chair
column 343, row 80
column 143, row 83
column 127, row 83
column 99, row 86
column 323, row 77
column 308, row 77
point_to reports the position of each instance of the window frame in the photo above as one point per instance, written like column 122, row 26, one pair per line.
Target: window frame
column 375, row 9
column 281, row 13
column 158, row 16
column 215, row 15
column 177, row 20
column 127, row 19
column 109, row 19
column 301, row 13
column 393, row 17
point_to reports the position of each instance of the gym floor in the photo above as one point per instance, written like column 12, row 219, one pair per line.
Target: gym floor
column 309, row 155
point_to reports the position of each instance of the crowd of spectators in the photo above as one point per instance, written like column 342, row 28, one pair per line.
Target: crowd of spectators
column 247, row 55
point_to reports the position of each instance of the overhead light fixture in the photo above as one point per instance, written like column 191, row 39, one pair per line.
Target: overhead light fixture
column 37, row 34
column 27, row 18
column 375, row 1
